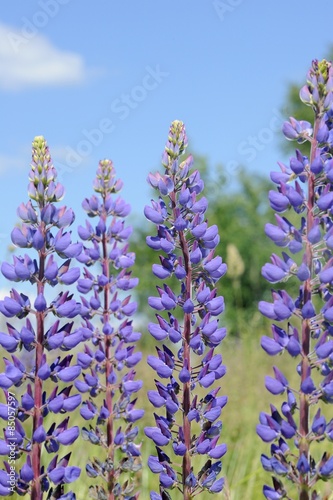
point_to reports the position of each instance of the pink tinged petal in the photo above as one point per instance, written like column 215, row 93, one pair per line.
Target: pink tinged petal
column 68, row 436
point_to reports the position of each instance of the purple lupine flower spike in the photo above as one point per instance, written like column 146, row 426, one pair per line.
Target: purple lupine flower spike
column 186, row 246
column 32, row 437
column 307, row 336
column 108, row 364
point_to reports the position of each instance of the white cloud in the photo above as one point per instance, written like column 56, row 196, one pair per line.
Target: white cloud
column 11, row 162
column 35, row 62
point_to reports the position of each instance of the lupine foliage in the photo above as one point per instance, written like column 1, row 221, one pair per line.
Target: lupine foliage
column 76, row 353
column 186, row 244
column 305, row 327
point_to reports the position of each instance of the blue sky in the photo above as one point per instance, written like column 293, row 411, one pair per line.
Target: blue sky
column 104, row 79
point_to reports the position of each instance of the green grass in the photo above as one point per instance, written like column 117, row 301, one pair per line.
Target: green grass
column 247, row 365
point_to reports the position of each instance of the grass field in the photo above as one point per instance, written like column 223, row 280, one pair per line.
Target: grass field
column 247, row 364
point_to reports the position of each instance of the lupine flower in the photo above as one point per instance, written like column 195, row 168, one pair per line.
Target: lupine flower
column 186, row 244
column 307, row 336
column 108, row 363
column 44, row 234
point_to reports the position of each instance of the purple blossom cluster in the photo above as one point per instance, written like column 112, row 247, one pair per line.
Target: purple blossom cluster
column 57, row 367
column 187, row 323
column 40, row 426
column 108, row 360
column 305, row 186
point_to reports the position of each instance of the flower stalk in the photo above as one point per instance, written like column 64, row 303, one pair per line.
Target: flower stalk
column 41, row 233
column 187, row 312
column 309, row 315
column 110, row 357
